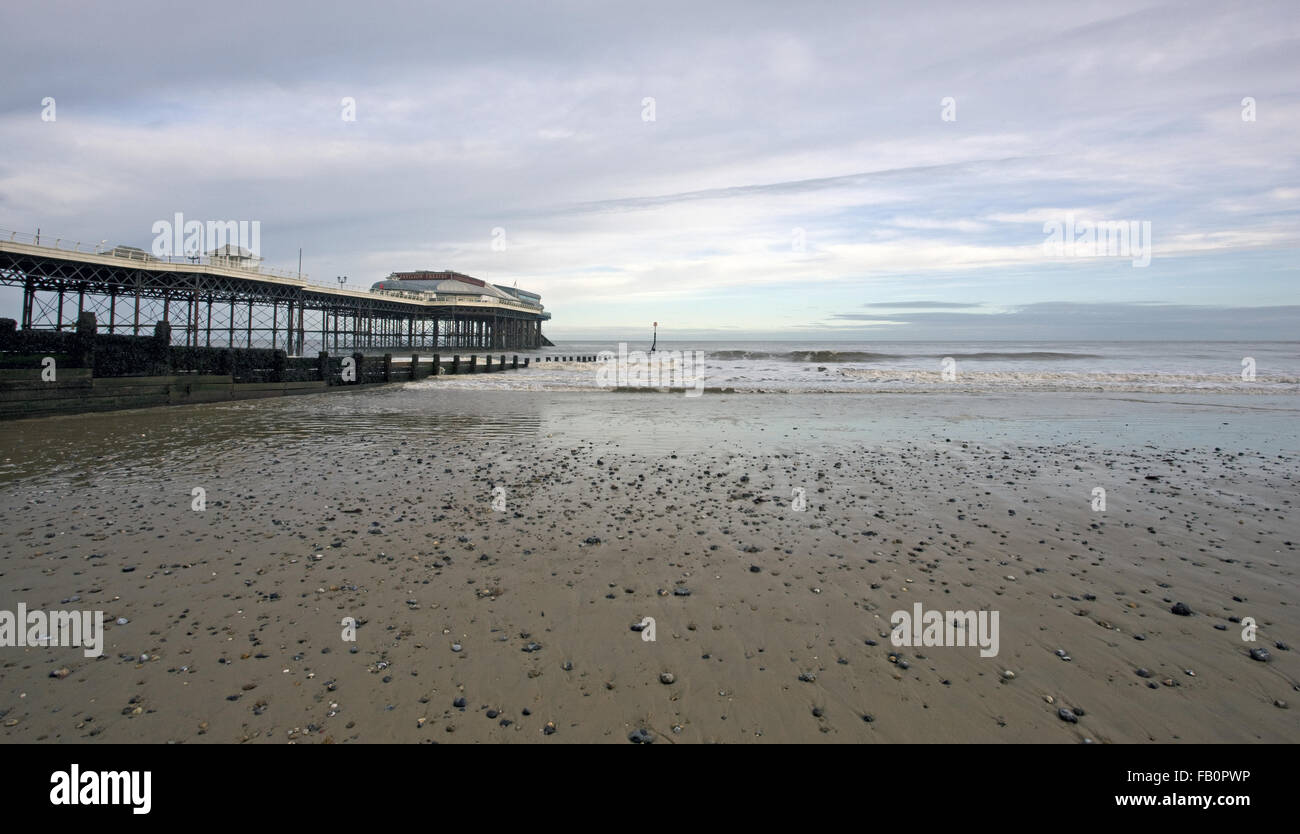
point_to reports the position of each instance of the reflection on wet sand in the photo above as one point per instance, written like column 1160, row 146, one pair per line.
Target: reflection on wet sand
column 121, row 443
column 186, row 438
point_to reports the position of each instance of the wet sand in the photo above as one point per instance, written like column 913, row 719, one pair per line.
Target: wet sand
column 380, row 506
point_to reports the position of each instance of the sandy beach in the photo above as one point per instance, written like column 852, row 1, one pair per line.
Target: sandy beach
column 496, row 550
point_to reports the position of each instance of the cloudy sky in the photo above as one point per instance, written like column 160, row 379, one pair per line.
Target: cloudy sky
column 734, row 170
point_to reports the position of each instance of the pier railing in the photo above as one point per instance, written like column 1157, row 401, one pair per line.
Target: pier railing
column 142, row 257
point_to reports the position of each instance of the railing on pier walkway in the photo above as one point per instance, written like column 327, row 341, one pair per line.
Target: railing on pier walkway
column 139, row 256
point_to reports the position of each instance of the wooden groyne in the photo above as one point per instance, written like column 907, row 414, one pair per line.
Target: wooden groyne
column 45, row 373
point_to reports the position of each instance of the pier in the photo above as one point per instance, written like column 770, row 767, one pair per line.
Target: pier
column 44, row 373
column 232, row 302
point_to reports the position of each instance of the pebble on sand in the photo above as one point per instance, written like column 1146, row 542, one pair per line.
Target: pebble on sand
column 641, row 736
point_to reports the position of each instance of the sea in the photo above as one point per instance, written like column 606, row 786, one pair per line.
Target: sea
column 912, row 366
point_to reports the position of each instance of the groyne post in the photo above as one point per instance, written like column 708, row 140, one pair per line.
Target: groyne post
column 83, row 341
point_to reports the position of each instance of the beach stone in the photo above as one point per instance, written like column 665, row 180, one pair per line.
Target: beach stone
column 1181, row 609
column 455, row 647
column 641, row 736
column 1067, row 715
column 666, row 678
column 1260, row 654
column 1143, row 673
column 459, row 703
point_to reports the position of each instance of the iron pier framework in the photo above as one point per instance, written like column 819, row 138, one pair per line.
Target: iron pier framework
column 216, row 305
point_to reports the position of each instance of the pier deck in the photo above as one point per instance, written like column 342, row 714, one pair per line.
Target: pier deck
column 213, row 304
